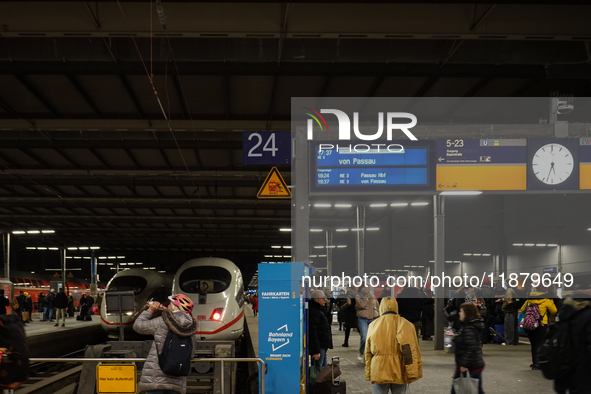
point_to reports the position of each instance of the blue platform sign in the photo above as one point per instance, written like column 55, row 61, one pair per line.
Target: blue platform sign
column 266, row 147
column 281, row 326
column 550, row 270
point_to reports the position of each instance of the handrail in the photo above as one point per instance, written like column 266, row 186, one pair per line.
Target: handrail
column 141, row 360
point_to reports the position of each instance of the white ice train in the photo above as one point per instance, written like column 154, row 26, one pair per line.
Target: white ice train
column 146, row 284
column 216, row 287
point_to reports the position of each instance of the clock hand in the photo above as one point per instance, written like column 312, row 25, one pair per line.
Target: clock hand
column 551, row 167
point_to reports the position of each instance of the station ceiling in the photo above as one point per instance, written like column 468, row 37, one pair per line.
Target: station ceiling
column 119, row 131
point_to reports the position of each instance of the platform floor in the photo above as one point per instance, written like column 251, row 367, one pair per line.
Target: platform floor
column 36, row 327
column 507, row 368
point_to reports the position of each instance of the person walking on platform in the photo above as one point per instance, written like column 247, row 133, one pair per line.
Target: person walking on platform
column 510, row 309
column 576, row 312
column 177, row 318
column 392, row 363
column 320, row 335
column 28, row 309
column 4, row 302
column 350, row 313
column 367, row 311
column 410, row 306
column 468, row 353
column 48, row 302
column 71, row 306
column 61, row 303
column 545, row 308
column 40, row 303
column 255, row 304
column 20, row 299
column 428, row 313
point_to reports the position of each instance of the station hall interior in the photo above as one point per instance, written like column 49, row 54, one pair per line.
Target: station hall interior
column 122, row 135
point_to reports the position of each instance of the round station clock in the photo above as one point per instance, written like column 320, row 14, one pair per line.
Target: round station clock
column 553, row 164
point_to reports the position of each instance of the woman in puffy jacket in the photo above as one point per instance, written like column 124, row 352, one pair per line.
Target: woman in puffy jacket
column 468, row 344
column 177, row 318
column 546, row 307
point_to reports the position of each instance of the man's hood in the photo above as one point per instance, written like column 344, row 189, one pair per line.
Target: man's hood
column 388, row 304
column 571, row 307
column 180, row 323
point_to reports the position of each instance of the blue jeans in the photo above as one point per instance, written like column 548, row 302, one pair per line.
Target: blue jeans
column 162, row 392
column 323, row 360
column 393, row 388
column 475, row 375
column 363, row 325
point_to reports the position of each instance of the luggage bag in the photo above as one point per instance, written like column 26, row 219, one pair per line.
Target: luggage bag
column 335, row 385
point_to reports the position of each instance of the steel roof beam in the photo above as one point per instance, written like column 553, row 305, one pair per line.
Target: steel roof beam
column 33, row 90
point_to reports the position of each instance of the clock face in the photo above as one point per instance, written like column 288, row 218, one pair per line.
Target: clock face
column 553, row 164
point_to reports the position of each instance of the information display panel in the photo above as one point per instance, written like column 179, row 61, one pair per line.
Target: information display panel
column 396, row 166
column 486, row 164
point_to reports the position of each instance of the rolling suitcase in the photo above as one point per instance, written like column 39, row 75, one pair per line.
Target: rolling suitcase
column 334, row 386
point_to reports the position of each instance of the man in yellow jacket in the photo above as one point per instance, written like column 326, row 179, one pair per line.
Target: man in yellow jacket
column 392, row 354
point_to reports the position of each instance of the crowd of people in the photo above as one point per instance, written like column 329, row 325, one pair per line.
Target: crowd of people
column 490, row 314
column 52, row 307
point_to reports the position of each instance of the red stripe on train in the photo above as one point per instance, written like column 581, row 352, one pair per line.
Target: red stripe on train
column 115, row 324
column 222, row 328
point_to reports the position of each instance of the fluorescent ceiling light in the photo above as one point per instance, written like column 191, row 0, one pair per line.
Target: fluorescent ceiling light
column 552, row 245
column 485, row 254
column 73, row 248
column 53, row 248
column 477, row 254
column 330, row 247
column 287, row 247
column 123, row 264
column 319, row 247
column 111, row 257
column 284, row 229
column 312, row 255
column 419, row 204
column 372, row 228
column 431, row 261
column 541, row 245
column 23, row 232
column 33, row 232
column 467, row 254
column 529, row 244
column 315, row 230
column 83, row 248
column 420, row 266
column 343, row 205
column 457, row 262
column 341, row 246
column 342, row 230
column 48, row 231
column 139, row 263
column 276, row 247
column 399, row 204
column 413, row 266
column 268, row 256
column 31, row 247
column 285, row 256
column 517, row 244
column 356, row 229
column 321, row 255
column 321, row 205
column 102, row 257
column 378, row 205
column 77, row 257
column 41, row 248
column 278, row 256
column 407, row 266
column 95, row 247
column 449, row 261
column 460, row 193
column 120, row 257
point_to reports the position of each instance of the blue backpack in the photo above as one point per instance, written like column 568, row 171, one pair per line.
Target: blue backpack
column 175, row 358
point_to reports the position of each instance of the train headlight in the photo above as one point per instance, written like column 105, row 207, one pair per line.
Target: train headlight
column 217, row 314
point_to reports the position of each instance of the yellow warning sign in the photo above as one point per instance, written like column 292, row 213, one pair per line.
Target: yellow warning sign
column 115, row 378
column 274, row 186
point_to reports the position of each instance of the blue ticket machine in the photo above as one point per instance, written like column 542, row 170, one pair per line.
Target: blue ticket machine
column 281, row 326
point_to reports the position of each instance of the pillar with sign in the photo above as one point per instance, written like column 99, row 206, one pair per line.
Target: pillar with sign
column 281, row 326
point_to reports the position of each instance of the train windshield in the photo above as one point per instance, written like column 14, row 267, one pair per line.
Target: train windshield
column 205, row 279
column 126, row 283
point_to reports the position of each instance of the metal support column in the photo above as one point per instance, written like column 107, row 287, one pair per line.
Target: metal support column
column 439, row 250
column 360, row 240
column 93, row 274
column 300, row 205
column 559, row 268
column 329, row 248
column 63, row 257
column 6, row 242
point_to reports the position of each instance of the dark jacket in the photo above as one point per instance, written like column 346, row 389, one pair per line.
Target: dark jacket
column 147, row 323
column 48, row 300
column 89, row 301
column 319, row 329
column 349, row 312
column 21, row 299
column 4, row 302
column 28, row 306
column 410, row 304
column 428, row 314
column 578, row 312
column 468, row 345
column 61, row 300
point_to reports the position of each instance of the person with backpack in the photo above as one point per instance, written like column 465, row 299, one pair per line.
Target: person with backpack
column 468, row 342
column 392, row 363
column 569, row 363
column 168, row 363
column 48, row 303
column 535, row 322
